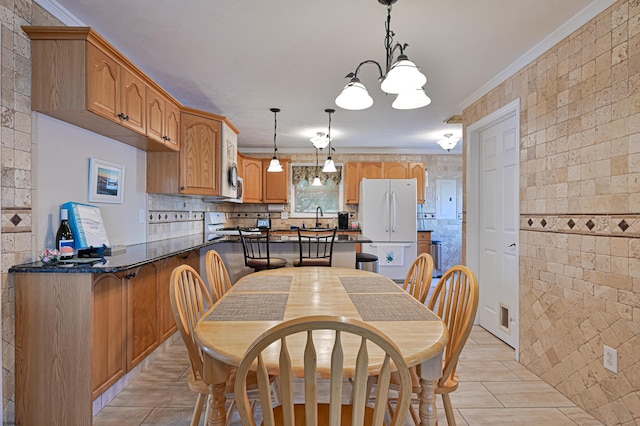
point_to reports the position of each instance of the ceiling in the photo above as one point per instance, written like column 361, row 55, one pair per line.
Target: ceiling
column 239, row 58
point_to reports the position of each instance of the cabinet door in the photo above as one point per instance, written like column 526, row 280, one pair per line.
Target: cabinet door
column 418, row 171
column 132, row 101
column 351, row 182
column 166, row 321
column 275, row 186
column 156, row 113
column 252, row 175
column 103, row 76
column 192, row 259
column 142, row 313
column 199, row 155
column 396, row 170
column 108, row 332
column 172, row 126
column 371, row 170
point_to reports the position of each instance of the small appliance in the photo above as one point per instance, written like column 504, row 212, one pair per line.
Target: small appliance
column 343, row 220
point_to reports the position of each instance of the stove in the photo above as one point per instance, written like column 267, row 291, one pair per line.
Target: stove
column 214, row 227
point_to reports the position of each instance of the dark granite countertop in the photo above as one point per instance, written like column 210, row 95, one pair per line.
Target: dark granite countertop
column 425, row 230
column 139, row 254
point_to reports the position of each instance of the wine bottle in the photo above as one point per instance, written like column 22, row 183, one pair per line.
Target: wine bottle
column 64, row 237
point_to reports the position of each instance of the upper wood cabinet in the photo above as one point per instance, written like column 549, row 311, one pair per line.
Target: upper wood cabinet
column 252, row 177
column 275, row 186
column 163, row 119
column 78, row 77
column 356, row 171
column 396, row 170
column 419, row 172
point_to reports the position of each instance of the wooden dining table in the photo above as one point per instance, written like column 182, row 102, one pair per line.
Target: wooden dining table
column 264, row 299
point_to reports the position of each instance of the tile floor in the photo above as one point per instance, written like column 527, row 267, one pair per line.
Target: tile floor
column 494, row 390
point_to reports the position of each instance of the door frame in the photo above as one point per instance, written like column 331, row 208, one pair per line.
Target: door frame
column 472, row 189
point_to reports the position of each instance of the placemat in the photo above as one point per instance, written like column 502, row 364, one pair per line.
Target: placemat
column 390, row 307
column 262, row 283
column 369, row 285
column 250, row 307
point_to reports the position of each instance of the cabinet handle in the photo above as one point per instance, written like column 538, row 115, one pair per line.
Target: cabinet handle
column 166, row 138
column 123, row 116
column 129, row 276
column 182, row 188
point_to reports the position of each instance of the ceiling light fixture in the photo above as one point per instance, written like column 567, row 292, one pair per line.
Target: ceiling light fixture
column 274, row 165
column 329, row 165
column 316, row 180
column 449, row 142
column 320, row 140
column 402, row 77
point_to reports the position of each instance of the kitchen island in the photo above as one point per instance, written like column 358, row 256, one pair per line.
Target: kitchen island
column 83, row 330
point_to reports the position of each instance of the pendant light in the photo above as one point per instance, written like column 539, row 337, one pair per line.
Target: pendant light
column 329, row 165
column 401, row 77
column 274, row 165
column 449, row 142
column 320, row 140
column 316, row 180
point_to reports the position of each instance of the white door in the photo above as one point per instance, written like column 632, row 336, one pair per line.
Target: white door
column 403, row 210
column 496, row 225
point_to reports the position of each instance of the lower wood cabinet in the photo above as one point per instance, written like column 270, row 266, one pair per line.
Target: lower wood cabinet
column 108, row 332
column 424, row 242
column 166, row 323
column 142, row 313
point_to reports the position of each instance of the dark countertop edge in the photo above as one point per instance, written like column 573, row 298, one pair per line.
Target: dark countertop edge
column 425, row 230
column 122, row 262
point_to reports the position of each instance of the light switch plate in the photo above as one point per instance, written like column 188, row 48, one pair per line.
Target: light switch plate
column 610, row 359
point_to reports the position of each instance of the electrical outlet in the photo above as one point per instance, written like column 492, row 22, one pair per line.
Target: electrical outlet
column 610, row 359
column 284, row 215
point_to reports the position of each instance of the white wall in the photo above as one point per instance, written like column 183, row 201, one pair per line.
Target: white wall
column 61, row 174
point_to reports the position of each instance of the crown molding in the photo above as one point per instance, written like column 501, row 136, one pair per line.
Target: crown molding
column 578, row 20
column 57, row 10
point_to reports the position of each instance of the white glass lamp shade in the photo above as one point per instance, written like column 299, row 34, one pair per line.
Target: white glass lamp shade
column 274, row 165
column 448, row 143
column 316, row 182
column 329, row 166
column 320, row 140
column 403, row 75
column 354, row 96
column 411, row 99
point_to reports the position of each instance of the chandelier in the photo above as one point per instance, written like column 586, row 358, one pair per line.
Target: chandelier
column 329, row 165
column 274, row 165
column 401, row 77
column 448, row 142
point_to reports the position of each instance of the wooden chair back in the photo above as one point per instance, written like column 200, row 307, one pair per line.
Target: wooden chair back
column 315, row 247
column 190, row 299
column 323, row 330
column 455, row 301
column 418, row 280
column 217, row 274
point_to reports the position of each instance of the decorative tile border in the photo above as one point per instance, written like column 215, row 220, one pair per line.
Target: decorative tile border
column 163, row 216
column 16, row 220
column 614, row 225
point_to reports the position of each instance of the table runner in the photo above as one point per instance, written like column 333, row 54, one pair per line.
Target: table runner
column 372, row 284
column 262, row 283
column 390, row 307
column 250, row 307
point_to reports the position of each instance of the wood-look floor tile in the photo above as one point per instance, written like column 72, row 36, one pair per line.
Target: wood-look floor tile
column 486, row 352
column 580, row 417
column 174, row 416
column 520, row 370
column 472, row 395
column 527, row 394
column 121, row 416
column 477, row 371
column 155, row 394
column 482, row 336
column 515, row 416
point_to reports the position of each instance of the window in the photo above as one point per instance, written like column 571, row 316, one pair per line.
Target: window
column 306, row 198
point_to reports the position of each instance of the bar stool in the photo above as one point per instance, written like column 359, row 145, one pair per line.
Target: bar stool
column 366, row 258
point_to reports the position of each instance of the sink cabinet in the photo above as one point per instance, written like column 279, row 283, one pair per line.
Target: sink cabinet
column 252, row 177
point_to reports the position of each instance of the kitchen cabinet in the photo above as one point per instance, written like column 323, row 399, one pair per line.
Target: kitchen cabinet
column 108, row 332
column 396, row 170
column 142, row 313
column 252, row 179
column 419, row 172
column 163, row 119
column 275, row 186
column 371, row 170
column 166, row 322
column 351, row 182
column 78, row 77
column 424, row 242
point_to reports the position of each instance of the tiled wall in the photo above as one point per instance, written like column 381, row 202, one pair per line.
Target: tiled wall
column 16, row 159
column 579, row 211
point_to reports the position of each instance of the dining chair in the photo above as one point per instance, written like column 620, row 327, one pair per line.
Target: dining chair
column 217, row 274
column 418, row 280
column 256, row 252
column 298, row 338
column 190, row 299
column 315, row 247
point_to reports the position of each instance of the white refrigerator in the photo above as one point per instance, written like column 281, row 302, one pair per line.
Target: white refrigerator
column 387, row 215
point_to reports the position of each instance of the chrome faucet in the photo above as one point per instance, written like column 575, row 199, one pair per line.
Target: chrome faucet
column 322, row 215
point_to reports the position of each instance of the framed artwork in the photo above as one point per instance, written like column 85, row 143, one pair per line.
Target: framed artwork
column 106, row 182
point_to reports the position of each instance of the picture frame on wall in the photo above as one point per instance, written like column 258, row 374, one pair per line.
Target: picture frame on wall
column 106, row 182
